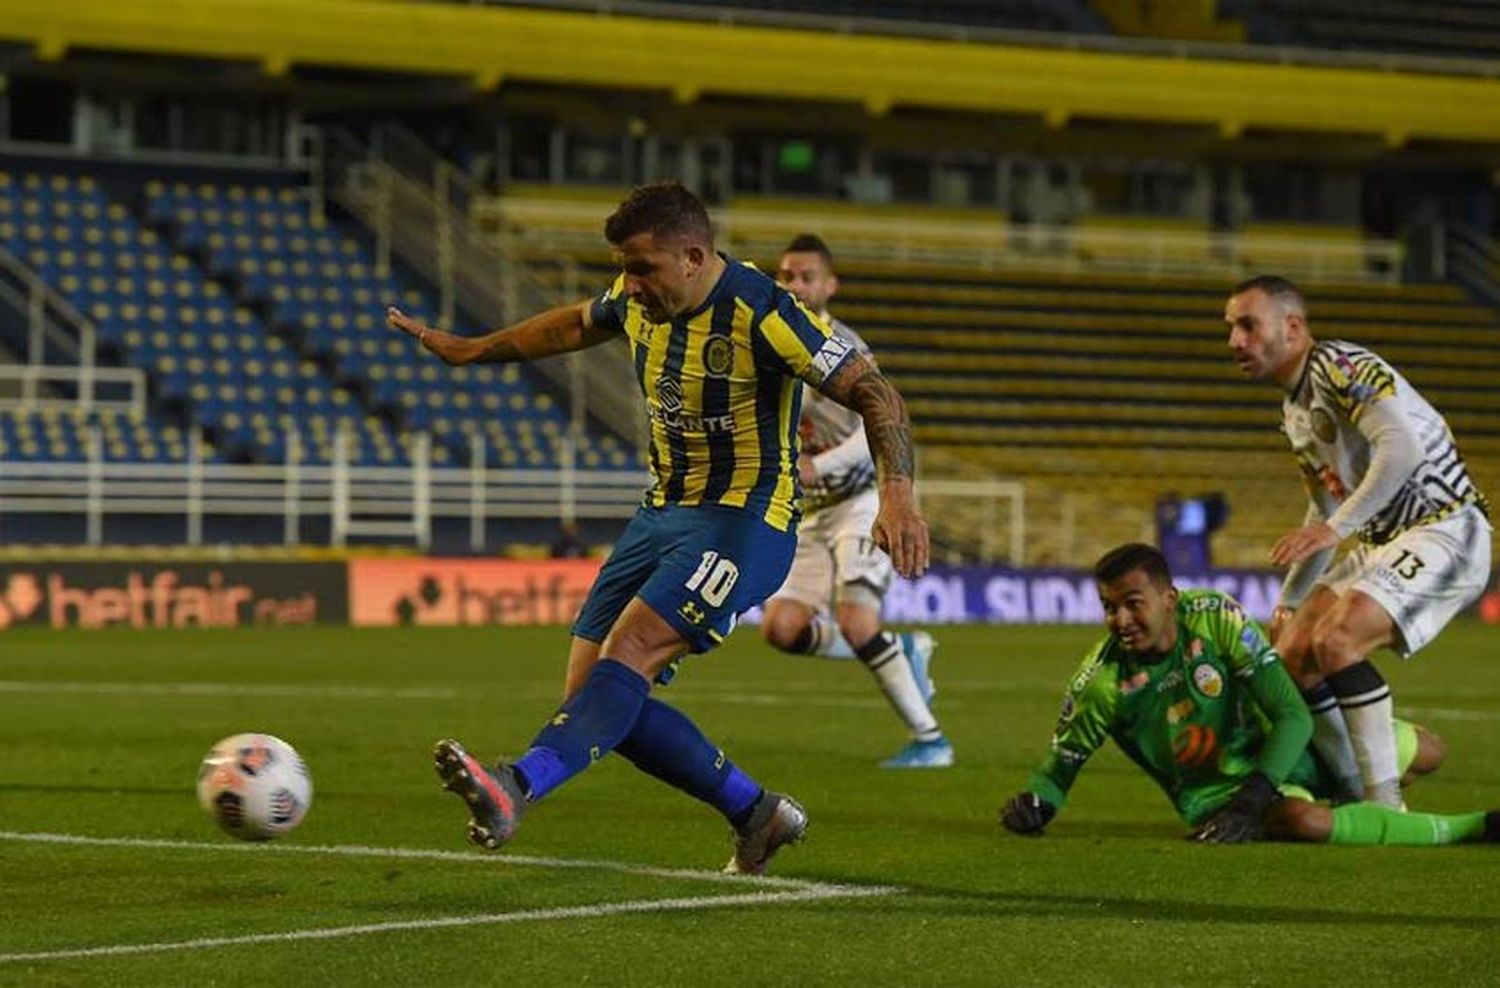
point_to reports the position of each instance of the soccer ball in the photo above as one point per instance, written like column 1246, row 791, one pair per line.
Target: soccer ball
column 255, row 786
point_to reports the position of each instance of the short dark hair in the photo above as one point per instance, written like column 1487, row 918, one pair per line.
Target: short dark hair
column 666, row 210
column 1130, row 557
column 1276, row 287
column 810, row 243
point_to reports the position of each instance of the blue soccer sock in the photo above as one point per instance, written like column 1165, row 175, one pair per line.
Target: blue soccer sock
column 666, row 744
column 586, row 729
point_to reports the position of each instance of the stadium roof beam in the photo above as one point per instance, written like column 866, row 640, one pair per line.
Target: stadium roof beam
column 116, row 70
column 707, row 58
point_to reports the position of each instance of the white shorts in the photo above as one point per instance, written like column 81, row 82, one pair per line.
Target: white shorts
column 1423, row 577
column 836, row 558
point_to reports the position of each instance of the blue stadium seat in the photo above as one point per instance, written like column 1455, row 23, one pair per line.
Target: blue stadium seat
column 319, row 281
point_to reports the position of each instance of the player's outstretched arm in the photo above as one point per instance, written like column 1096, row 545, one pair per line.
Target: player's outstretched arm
column 899, row 527
column 560, row 330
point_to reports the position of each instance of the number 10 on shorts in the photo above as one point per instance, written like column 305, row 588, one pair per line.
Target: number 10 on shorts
column 714, row 578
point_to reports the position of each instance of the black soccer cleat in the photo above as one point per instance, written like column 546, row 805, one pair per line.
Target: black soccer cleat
column 494, row 796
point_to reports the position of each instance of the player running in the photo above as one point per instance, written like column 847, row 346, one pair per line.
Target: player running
column 830, row 603
column 1190, row 689
column 720, row 353
column 1380, row 462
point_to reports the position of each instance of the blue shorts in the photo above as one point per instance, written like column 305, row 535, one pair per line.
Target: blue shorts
column 698, row 567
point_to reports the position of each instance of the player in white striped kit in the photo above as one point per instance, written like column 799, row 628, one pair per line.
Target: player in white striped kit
column 830, row 603
column 1380, row 462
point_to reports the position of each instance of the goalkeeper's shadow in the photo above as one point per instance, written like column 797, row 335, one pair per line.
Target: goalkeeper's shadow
column 955, row 902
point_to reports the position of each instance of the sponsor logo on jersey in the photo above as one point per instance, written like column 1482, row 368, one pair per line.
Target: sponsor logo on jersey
column 691, row 612
column 1171, row 679
column 1129, row 686
column 1322, row 425
column 1195, row 745
column 1064, row 716
column 1296, row 426
column 668, row 412
column 1181, row 710
column 1087, row 673
column 718, row 356
column 1207, row 680
column 669, row 395
column 1070, row 756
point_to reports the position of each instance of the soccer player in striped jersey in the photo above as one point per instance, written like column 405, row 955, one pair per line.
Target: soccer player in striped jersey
column 830, row 603
column 1378, row 462
column 720, row 352
column 1188, row 686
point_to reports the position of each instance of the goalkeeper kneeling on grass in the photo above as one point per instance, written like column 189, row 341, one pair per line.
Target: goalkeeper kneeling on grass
column 1188, row 686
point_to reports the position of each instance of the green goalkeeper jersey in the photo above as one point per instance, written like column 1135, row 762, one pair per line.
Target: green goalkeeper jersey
column 1198, row 719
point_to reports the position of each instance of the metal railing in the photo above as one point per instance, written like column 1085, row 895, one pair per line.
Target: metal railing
column 53, row 326
column 1469, row 257
column 417, row 206
column 22, row 388
column 972, row 520
column 56, row 331
column 989, row 244
column 398, row 503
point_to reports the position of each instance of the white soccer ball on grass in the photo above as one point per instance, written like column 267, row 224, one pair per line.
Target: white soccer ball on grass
column 255, row 786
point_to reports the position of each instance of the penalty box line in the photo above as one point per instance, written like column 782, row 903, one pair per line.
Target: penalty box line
column 788, row 890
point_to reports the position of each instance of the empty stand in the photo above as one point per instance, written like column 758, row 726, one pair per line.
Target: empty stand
column 1451, row 30
column 318, row 283
column 264, row 326
column 1103, row 393
column 65, row 436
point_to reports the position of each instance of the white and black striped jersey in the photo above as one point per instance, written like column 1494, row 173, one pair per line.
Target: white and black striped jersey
column 1321, row 417
column 826, row 425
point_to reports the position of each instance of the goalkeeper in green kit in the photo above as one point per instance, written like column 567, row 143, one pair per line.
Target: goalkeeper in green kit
column 1190, row 689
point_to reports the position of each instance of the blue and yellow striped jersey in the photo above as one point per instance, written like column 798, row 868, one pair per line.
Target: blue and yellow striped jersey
column 723, row 391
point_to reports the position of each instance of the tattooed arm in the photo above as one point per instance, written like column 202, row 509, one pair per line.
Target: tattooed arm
column 559, row 330
column 899, row 528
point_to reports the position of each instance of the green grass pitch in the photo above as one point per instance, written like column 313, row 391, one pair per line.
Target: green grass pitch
column 101, row 734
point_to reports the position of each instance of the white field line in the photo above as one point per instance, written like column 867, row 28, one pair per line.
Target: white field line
column 790, row 890
column 335, row 691
column 322, row 691
column 420, row 853
column 445, row 922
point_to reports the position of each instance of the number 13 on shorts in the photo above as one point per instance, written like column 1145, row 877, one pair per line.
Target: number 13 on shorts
column 714, row 578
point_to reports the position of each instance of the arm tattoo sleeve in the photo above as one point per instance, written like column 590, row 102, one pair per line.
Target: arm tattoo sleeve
column 557, row 330
column 860, row 385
